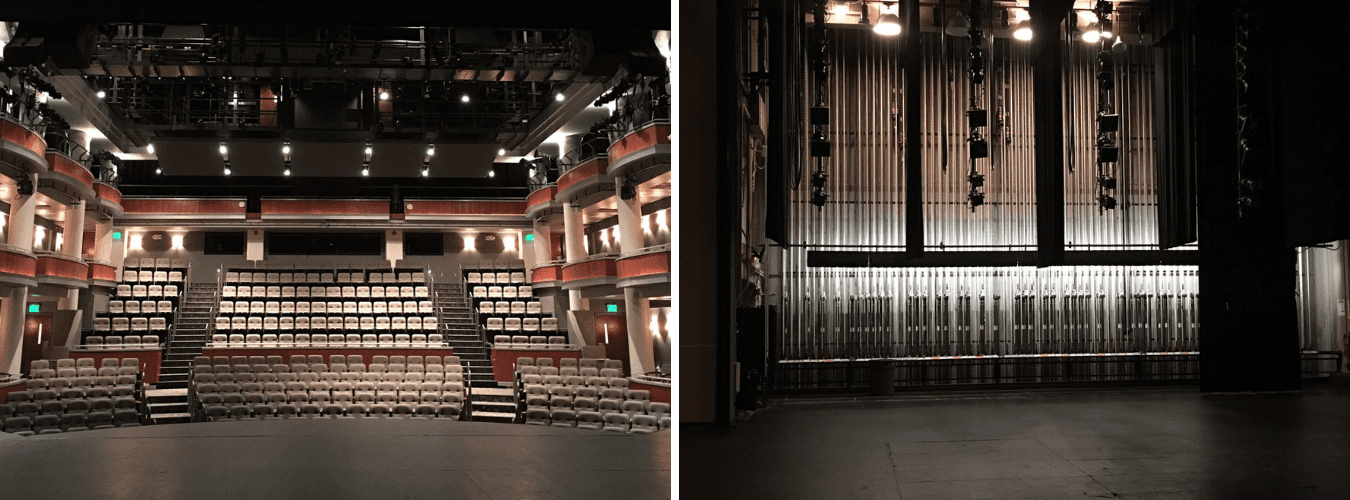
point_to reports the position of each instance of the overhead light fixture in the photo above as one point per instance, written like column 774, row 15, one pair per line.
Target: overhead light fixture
column 223, row 149
column 888, row 25
column 286, row 172
column 369, row 150
column 1106, row 201
column 501, row 152
column 286, row 148
column 101, row 94
column 1119, row 46
column 841, row 9
column 150, row 149
column 959, row 25
column 558, row 97
column 365, row 169
column 384, row 95
column 227, row 167
column 158, row 171
column 1023, row 31
column 431, row 149
column 818, row 198
column 464, row 98
column 1092, row 35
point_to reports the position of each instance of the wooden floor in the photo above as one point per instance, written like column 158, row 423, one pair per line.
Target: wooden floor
column 337, row 459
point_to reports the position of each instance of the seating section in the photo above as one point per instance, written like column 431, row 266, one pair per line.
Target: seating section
column 141, row 309
column 589, row 393
column 68, row 395
column 342, row 386
column 326, row 308
column 508, row 309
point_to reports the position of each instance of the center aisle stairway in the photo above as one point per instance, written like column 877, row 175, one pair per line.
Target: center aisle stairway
column 168, row 401
column 455, row 316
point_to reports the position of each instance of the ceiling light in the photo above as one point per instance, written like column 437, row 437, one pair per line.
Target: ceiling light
column 227, row 169
column 384, row 95
column 888, row 25
column 464, row 98
column 431, row 149
column 1119, row 46
column 492, row 173
column 223, row 149
column 286, row 172
column 558, row 97
column 426, row 172
column 158, row 171
column 501, row 152
column 1092, row 35
column 150, row 149
column 365, row 171
column 101, row 94
column 285, row 149
column 841, row 9
column 1023, row 31
column 369, row 150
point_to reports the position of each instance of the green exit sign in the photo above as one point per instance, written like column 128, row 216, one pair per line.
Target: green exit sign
column 529, row 237
column 32, row 308
column 612, row 308
column 117, row 235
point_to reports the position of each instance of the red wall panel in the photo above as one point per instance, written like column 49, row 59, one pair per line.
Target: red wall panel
column 325, row 207
column 446, row 207
column 109, row 193
column 546, row 273
column 660, row 393
column 102, row 272
column 17, row 134
column 149, row 359
column 544, row 195
column 59, row 163
column 13, row 263
column 656, row 134
column 643, row 265
column 176, row 206
column 590, row 269
column 586, row 170
column 62, row 268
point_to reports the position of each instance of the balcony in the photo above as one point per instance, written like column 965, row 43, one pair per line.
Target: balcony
column 548, row 275
column 542, row 201
column 102, row 274
column 642, row 148
column 647, row 266
column 597, row 272
column 62, row 272
column 21, row 147
column 18, row 267
column 67, row 180
column 586, row 183
column 107, row 201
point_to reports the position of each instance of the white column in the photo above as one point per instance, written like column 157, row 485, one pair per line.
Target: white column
column 641, row 356
column 630, row 221
column 13, row 314
column 73, row 233
column 542, row 251
column 21, row 219
column 103, row 242
column 573, row 234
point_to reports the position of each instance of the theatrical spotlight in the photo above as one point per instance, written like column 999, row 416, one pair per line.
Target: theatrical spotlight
column 976, row 198
column 1107, row 153
column 979, row 147
column 1106, row 182
column 820, row 145
column 887, row 25
column 818, row 198
column 1106, row 201
column 1109, row 122
column 818, row 179
column 629, row 190
column 1023, row 30
column 976, row 179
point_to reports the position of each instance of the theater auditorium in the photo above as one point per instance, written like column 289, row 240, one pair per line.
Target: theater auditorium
column 1012, row 249
column 336, row 249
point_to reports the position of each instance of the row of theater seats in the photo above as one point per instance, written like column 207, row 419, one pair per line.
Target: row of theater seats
column 617, row 422
column 258, row 387
column 322, row 340
column 316, row 276
column 346, row 292
column 125, row 291
column 114, row 342
column 104, row 326
column 291, row 308
column 130, row 308
column 501, row 292
column 510, row 308
column 510, row 325
column 146, row 276
column 489, row 277
column 533, row 341
column 364, row 324
column 74, row 396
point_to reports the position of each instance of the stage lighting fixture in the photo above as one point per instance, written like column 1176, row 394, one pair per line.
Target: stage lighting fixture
column 628, row 190
column 223, row 149
column 1106, row 182
column 820, row 115
column 1108, row 154
column 501, row 152
column 1119, row 46
column 1023, row 30
column 1108, row 122
column 558, row 97
column 959, row 25
column 1106, row 201
column 431, row 149
column 464, row 98
column 818, row 198
column 159, row 171
column 979, row 148
column 888, row 24
column 384, row 95
column 1092, row 35
column 150, row 148
column 976, row 179
column 492, row 173
column 101, row 94
column 976, row 198
column 369, row 150
column 287, row 171
column 227, row 167
column 820, row 147
column 977, row 118
column 818, row 179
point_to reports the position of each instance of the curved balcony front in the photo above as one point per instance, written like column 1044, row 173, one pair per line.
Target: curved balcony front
column 647, row 266
column 67, row 181
column 107, row 201
column 102, row 274
column 18, row 267
column 541, row 201
column 21, row 149
column 640, row 149
column 62, row 272
column 546, row 276
column 585, row 184
column 597, row 272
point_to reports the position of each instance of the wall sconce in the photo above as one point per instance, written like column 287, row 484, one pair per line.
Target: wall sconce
column 469, row 242
column 177, row 242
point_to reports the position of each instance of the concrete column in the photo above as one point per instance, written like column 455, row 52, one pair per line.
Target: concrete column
column 79, row 137
column 103, row 242
column 630, row 221
column 73, row 235
column 542, row 252
column 20, row 227
column 573, row 233
column 641, row 357
column 13, row 314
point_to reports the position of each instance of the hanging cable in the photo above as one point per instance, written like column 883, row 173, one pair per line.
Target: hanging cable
column 1108, row 122
column 976, row 117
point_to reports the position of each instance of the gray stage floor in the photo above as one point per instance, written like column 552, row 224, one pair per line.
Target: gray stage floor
column 1147, row 443
column 332, row 459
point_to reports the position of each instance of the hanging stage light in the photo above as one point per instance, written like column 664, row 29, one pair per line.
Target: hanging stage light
column 818, row 198
column 1106, row 201
column 1109, row 122
column 976, row 179
column 1106, row 182
column 1108, row 153
column 976, row 198
column 1023, row 30
column 1119, row 46
column 818, row 179
column 959, row 25
column 888, row 24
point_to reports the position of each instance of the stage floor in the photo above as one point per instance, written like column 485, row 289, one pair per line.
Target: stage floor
column 331, row 459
